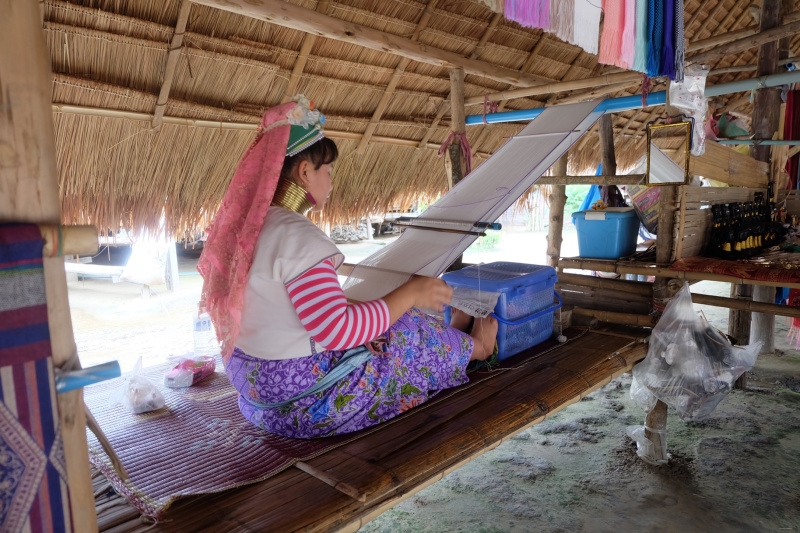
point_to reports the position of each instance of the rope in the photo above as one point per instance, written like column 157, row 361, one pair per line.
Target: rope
column 466, row 150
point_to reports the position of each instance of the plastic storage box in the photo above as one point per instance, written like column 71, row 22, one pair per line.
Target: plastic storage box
column 524, row 310
column 607, row 234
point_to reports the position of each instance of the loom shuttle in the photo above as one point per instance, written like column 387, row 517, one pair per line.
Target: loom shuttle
column 80, row 378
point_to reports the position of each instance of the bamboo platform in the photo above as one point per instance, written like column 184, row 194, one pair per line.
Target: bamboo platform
column 347, row 487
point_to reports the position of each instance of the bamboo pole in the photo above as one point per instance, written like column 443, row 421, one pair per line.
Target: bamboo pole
column 558, row 198
column 641, row 288
column 307, row 20
column 655, row 270
column 388, row 92
column 302, row 56
column 457, row 126
column 29, row 181
column 630, row 179
column 745, row 43
column 68, row 240
column 617, row 318
column 172, row 62
column 730, row 36
column 561, row 86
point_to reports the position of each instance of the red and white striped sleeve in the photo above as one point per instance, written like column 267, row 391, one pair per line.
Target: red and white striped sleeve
column 324, row 312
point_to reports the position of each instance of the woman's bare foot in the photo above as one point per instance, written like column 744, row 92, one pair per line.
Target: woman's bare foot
column 459, row 319
column 484, row 334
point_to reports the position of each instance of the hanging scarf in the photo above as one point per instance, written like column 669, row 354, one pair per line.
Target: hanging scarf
column 529, row 13
column 655, row 23
column 611, row 39
column 562, row 19
column 680, row 41
column 586, row 31
column 640, row 54
column 668, row 51
column 628, row 47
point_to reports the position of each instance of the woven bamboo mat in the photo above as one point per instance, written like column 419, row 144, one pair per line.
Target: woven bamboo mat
column 200, row 444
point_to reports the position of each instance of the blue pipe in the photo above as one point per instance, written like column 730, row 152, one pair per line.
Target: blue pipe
column 77, row 379
column 626, row 103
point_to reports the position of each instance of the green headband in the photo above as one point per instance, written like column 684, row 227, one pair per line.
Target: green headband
column 306, row 126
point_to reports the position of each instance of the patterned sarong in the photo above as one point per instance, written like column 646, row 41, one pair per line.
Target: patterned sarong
column 422, row 357
column 33, row 487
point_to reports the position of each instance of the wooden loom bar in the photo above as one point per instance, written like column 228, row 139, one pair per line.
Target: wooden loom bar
column 309, row 21
column 172, row 62
column 650, row 270
column 29, row 181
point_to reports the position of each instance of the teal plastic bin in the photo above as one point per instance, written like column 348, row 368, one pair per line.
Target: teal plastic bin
column 606, row 234
column 524, row 310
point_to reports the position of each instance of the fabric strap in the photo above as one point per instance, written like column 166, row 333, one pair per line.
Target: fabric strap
column 352, row 359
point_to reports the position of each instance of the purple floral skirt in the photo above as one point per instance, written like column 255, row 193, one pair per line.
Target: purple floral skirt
column 422, row 357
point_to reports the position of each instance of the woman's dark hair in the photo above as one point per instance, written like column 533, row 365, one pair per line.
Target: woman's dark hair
column 320, row 153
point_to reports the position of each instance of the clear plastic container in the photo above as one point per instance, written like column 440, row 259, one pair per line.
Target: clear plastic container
column 205, row 339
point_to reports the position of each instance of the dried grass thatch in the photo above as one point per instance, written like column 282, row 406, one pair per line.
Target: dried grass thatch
column 112, row 55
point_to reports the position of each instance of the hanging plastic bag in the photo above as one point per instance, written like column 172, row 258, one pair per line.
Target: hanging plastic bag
column 689, row 97
column 690, row 365
column 137, row 393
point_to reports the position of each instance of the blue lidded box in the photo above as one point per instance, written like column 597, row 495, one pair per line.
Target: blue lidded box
column 610, row 233
column 524, row 310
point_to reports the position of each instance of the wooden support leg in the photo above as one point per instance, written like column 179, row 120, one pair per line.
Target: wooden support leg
column 654, row 425
column 763, row 325
column 558, row 198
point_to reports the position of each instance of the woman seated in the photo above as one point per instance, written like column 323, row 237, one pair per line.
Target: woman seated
column 307, row 363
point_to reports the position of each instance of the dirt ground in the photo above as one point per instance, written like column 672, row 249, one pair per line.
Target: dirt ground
column 737, row 471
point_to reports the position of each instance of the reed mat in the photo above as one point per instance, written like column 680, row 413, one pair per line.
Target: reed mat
column 199, row 443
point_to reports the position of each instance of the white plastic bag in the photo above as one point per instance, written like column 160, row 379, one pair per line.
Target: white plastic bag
column 690, row 366
column 689, row 96
column 138, row 393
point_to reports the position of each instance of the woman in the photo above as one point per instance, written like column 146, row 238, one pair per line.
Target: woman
column 305, row 362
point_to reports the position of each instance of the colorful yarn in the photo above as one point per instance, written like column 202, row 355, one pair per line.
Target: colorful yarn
column 529, row 13
column 586, row 30
column 655, row 22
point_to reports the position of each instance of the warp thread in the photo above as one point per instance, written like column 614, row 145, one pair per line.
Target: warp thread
column 466, row 149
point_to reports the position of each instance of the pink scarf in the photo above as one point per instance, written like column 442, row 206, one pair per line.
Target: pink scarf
column 613, row 29
column 228, row 252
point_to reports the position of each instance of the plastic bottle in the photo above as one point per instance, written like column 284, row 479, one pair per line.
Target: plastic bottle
column 205, row 340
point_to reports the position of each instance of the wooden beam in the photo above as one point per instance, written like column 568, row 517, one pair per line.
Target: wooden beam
column 605, row 79
column 394, row 80
column 730, row 36
column 746, row 43
column 476, row 52
column 302, row 56
column 558, row 199
column 29, row 193
column 630, row 179
column 596, row 93
column 172, row 62
column 457, row 166
column 298, row 18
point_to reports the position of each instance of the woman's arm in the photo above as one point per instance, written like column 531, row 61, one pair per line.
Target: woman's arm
column 324, row 312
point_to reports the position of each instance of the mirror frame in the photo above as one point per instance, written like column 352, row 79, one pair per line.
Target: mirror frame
column 687, row 126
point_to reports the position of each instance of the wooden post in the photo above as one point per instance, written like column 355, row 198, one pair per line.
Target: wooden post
column 766, row 118
column 29, row 193
column 610, row 194
column 173, row 283
column 454, row 160
column 457, row 125
column 558, row 198
column 654, row 423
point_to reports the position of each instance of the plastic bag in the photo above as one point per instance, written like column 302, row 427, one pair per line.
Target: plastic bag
column 689, row 96
column 189, row 371
column 645, row 447
column 138, row 393
column 690, row 366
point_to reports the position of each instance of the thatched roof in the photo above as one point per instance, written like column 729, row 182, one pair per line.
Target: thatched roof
column 110, row 58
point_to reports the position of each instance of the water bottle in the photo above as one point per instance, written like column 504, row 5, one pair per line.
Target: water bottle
column 205, row 340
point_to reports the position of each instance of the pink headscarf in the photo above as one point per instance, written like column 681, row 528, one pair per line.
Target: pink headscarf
column 228, row 252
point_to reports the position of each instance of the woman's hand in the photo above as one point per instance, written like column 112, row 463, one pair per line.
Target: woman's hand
column 422, row 292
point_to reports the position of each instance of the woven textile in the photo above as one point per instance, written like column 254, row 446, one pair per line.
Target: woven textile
column 640, row 54
column 655, row 19
column 33, row 489
column 680, row 41
column 611, row 38
column 668, row 50
column 586, row 33
column 529, row 13
column 562, row 19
